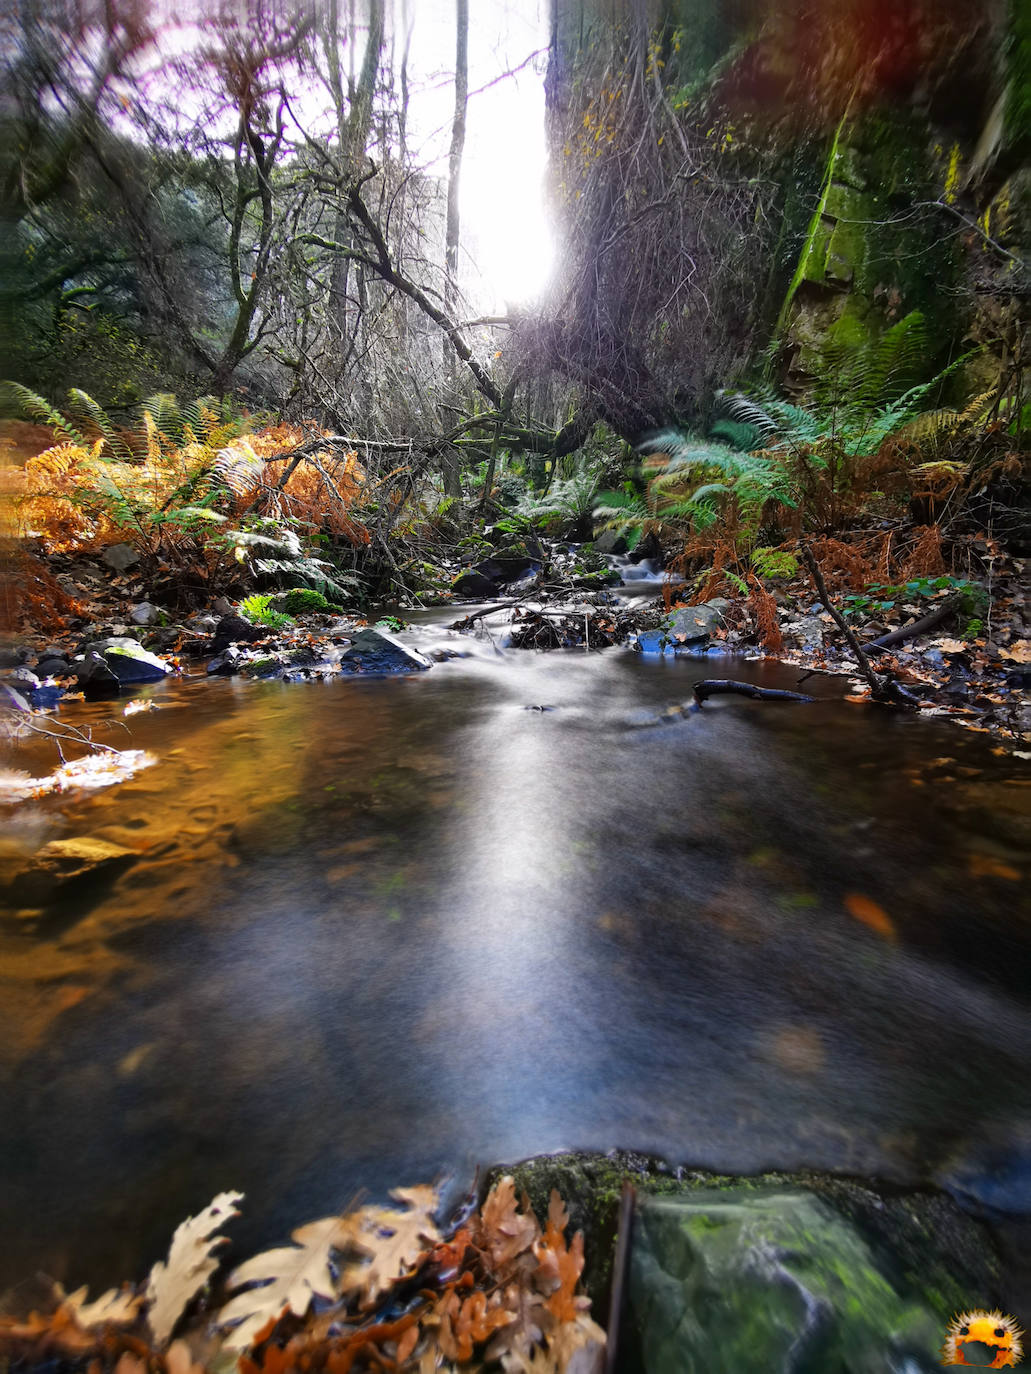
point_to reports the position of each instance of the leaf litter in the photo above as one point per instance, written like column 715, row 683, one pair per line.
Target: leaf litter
column 378, row 1288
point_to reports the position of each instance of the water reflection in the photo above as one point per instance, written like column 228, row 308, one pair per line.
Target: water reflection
column 382, row 928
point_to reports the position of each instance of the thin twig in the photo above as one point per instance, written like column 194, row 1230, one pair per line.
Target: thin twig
column 878, row 687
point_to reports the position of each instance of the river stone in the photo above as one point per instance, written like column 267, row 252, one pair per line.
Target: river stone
column 771, row 1281
column 610, row 542
column 134, row 665
column 65, row 865
column 120, row 556
column 692, row 624
column 233, row 629
column 52, row 667
column 474, row 585
column 96, row 677
column 377, row 651
column 502, row 570
column 144, row 613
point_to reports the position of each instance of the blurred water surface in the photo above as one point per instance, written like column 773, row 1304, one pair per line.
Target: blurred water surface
column 382, row 929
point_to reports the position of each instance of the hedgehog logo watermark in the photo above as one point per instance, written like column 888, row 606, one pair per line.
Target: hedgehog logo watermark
column 983, row 1340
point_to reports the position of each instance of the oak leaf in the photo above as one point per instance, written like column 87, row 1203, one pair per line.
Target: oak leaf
column 116, row 1307
column 190, row 1264
column 504, row 1231
column 290, row 1276
column 390, row 1241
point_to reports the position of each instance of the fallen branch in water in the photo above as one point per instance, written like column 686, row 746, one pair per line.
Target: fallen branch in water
column 712, row 687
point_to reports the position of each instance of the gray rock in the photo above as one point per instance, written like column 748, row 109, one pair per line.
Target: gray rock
column 23, row 679
column 502, row 570
column 120, row 556
column 12, row 699
column 202, row 622
column 145, row 613
column 809, row 631
column 610, row 542
column 52, row 667
column 63, row 865
column 377, row 651
column 225, row 664
column 14, row 655
column 691, row 624
column 233, row 629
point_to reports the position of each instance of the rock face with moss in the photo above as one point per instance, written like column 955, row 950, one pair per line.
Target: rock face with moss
column 777, row 1273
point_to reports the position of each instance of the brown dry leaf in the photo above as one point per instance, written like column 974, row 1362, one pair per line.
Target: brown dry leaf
column 290, row 1275
column 116, row 1307
column 988, row 866
column 179, row 1359
column 579, row 1346
column 865, row 909
column 390, row 1241
column 131, row 1364
column 189, row 1265
column 1019, row 652
column 505, row 1232
column 951, row 646
column 531, row 1321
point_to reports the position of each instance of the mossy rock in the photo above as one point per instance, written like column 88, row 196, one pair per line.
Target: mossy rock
column 924, row 1245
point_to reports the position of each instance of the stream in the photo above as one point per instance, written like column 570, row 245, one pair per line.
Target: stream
column 383, row 930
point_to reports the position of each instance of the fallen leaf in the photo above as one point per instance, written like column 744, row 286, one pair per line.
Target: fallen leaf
column 190, row 1264
column 951, row 646
column 390, row 1241
column 116, row 1307
column 505, row 1232
column 865, row 909
column 988, row 866
column 1019, row 652
column 290, row 1276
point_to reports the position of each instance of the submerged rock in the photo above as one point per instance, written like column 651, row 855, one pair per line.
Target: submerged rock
column 64, row 866
column 377, row 651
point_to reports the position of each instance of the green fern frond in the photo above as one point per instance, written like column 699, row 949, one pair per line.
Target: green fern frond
column 82, row 405
column 19, row 402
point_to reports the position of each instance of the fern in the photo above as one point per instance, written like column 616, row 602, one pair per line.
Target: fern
column 83, row 406
column 18, row 401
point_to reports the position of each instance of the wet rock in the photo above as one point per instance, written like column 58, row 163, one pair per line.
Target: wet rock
column 22, row 679
column 377, row 651
column 729, row 1258
column 692, row 624
column 69, row 866
column 474, row 585
column 132, row 665
column 45, row 698
column 649, row 547
column 263, row 668
column 15, row 655
column 751, row 1280
column 610, row 542
column 12, row 698
column 96, row 678
column 52, row 667
column 145, row 613
column 225, row 664
column 233, row 629
column 502, row 570
column 120, row 556
column 202, row 623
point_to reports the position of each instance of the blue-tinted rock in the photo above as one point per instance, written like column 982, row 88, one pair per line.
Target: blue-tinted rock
column 131, row 666
column 377, row 651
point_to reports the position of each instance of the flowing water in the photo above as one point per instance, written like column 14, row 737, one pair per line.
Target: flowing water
column 381, row 929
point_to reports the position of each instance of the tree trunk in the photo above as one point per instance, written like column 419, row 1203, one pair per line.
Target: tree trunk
column 452, row 484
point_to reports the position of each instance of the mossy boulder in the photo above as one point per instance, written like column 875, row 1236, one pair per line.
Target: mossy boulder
column 880, row 1272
